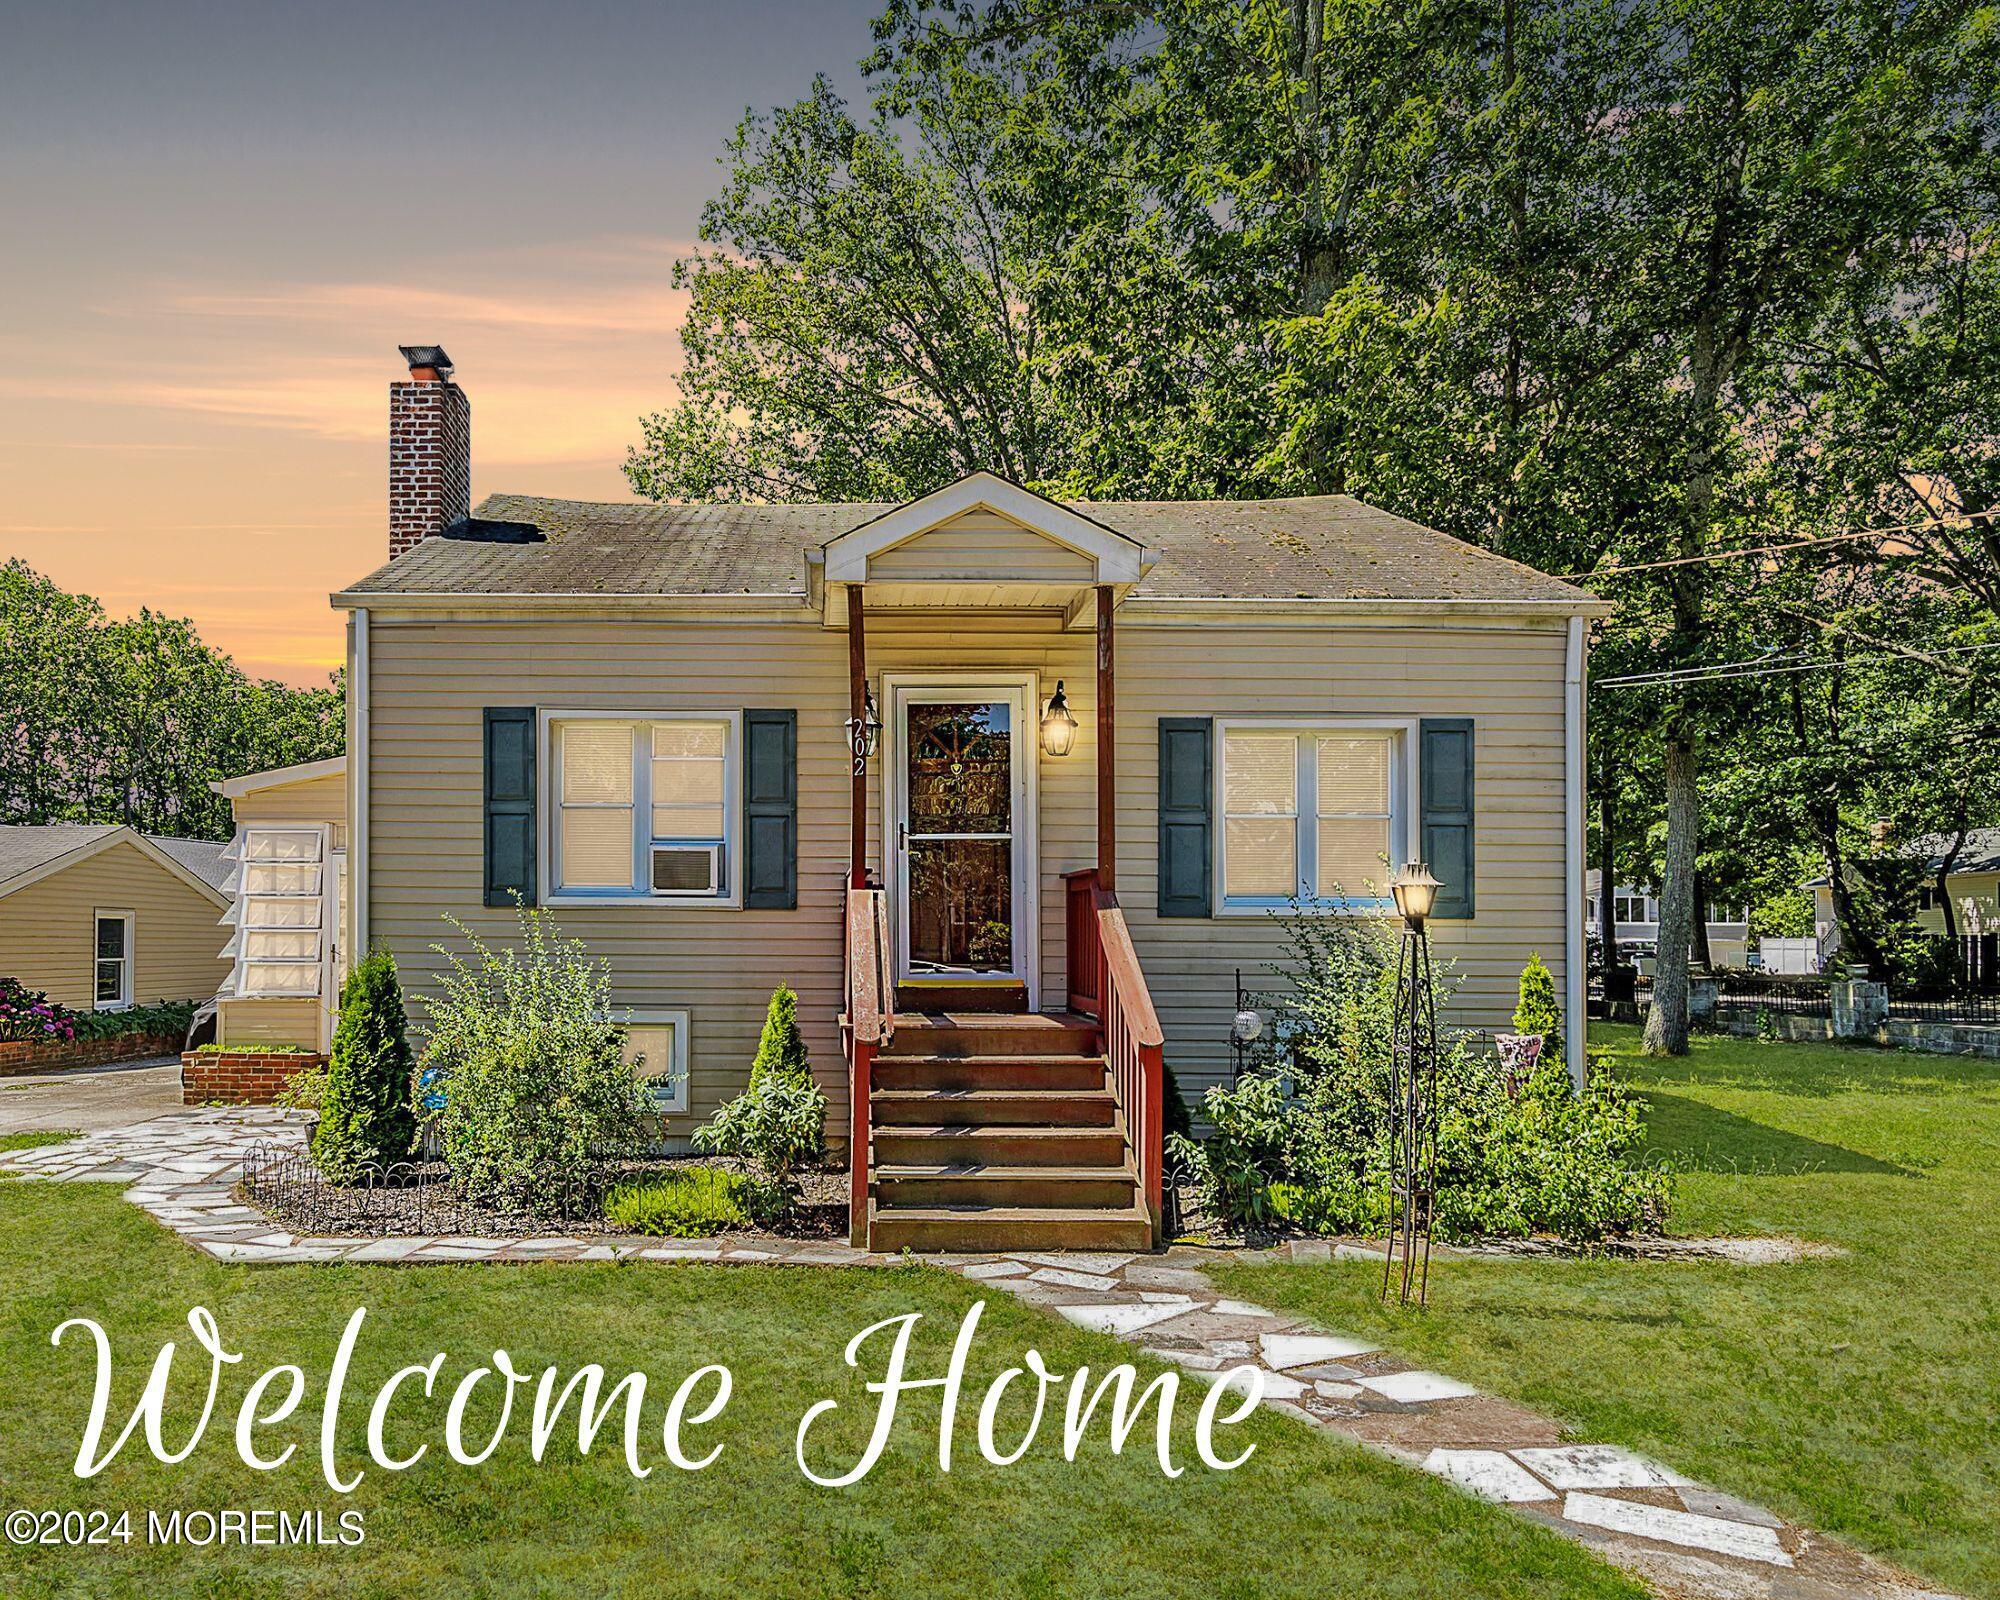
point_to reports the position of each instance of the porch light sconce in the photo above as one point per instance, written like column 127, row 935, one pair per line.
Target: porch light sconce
column 1415, row 890
column 864, row 732
column 1058, row 726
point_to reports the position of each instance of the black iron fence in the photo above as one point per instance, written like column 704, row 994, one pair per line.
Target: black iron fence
column 1920, row 1005
column 1794, row 996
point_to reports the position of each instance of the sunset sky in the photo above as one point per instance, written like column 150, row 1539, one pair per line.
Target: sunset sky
column 223, row 218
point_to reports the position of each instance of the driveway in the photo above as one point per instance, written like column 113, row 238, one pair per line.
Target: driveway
column 91, row 1099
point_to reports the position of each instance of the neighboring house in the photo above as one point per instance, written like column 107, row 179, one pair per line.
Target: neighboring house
column 1097, row 721
column 101, row 917
column 1973, row 886
column 1638, row 923
column 288, row 880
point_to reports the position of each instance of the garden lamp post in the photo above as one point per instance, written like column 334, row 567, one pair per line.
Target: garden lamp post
column 1412, row 1092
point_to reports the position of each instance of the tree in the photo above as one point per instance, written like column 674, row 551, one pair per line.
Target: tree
column 131, row 721
column 366, row 1119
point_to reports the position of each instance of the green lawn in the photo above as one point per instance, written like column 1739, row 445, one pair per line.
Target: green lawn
column 1860, row 1394
column 1306, row 1516
column 32, row 1141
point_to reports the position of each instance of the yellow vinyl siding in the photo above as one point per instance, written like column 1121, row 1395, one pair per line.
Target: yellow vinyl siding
column 1508, row 679
column 431, row 679
column 47, row 929
column 254, row 1022
column 981, row 546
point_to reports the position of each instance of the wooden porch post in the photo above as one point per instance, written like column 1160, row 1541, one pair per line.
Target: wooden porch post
column 1107, row 787
column 857, row 704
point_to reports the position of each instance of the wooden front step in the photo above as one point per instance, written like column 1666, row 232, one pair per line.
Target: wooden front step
column 1002, row 1146
column 1006, row 1228
column 1090, row 1188
column 999, row 1132
column 1029, row 1108
column 989, row 1072
column 961, row 1033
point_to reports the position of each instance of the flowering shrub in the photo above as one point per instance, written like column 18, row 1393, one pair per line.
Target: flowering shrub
column 29, row 1014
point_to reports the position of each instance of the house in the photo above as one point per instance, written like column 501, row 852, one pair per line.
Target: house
column 1637, row 911
column 102, row 917
column 1972, row 887
column 1008, row 789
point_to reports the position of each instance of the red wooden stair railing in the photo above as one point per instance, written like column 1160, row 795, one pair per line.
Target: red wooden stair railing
column 1105, row 982
column 868, row 1024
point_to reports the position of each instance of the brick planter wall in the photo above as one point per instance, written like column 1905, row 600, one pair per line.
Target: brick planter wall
column 239, row 1077
column 19, row 1057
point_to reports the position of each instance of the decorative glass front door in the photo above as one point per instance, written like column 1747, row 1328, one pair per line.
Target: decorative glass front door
column 958, row 826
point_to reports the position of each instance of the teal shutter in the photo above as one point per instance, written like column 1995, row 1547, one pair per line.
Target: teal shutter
column 510, row 805
column 1446, row 766
column 1187, row 825
column 771, row 810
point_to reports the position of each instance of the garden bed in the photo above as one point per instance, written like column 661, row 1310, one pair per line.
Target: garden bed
column 418, row 1199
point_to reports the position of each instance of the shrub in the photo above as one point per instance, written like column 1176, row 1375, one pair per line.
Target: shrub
column 537, row 1094
column 304, row 1090
column 1537, row 1012
column 1550, row 1161
column 779, row 1122
column 780, row 1125
column 365, row 1118
column 169, row 1018
column 693, row 1203
column 781, row 1048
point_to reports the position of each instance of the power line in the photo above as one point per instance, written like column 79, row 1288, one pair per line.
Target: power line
column 1777, row 549
column 1762, row 667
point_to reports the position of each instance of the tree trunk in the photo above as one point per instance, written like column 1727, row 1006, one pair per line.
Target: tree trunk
column 1703, row 956
column 1607, row 886
column 1945, row 863
column 1667, row 1018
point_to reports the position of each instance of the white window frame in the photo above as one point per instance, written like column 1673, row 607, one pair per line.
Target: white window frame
column 130, row 961
column 677, row 1018
column 239, row 908
column 1403, row 780
column 548, row 782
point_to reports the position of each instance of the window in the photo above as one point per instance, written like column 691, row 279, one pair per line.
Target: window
column 1315, row 814
column 656, row 1043
column 643, row 808
column 279, row 913
column 1632, row 907
column 112, row 947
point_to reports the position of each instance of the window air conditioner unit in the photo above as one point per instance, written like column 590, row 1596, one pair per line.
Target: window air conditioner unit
column 687, row 869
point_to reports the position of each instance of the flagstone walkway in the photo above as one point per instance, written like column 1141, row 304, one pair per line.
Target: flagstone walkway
column 1683, row 1538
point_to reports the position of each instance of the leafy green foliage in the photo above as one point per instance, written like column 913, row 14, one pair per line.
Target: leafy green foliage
column 538, row 1095
column 1546, row 1161
column 781, row 1047
column 693, row 1203
column 130, row 721
column 779, row 1122
column 304, row 1090
column 1537, row 1011
column 365, row 1120
column 30, row 1014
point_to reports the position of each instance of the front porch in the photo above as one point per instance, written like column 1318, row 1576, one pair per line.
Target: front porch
column 989, row 1107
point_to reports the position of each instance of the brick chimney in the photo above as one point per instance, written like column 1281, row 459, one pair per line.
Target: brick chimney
column 430, row 450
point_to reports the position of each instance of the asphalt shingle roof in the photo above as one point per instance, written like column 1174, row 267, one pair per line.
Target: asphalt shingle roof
column 1319, row 547
column 24, row 847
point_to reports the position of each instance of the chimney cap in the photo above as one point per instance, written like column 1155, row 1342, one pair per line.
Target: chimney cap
column 427, row 355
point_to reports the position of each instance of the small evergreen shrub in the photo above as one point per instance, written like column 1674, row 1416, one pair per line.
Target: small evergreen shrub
column 1537, row 1011
column 303, row 1090
column 364, row 1106
column 536, row 1094
column 779, row 1122
column 692, row 1204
